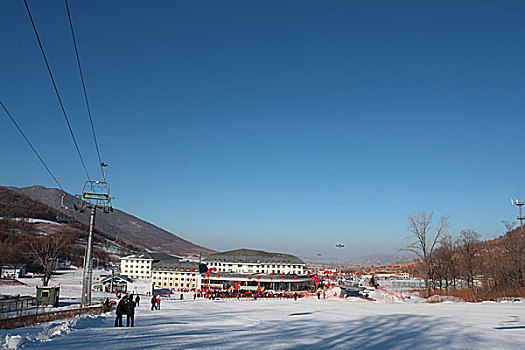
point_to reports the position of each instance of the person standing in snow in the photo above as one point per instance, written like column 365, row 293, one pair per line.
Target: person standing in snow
column 121, row 309
column 130, row 312
column 158, row 302
column 137, row 300
column 153, row 303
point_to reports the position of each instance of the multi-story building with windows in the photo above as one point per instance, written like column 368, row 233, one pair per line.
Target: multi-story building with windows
column 251, row 269
column 139, row 266
column 255, row 268
column 163, row 270
column 178, row 275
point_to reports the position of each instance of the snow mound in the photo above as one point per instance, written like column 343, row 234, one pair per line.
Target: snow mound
column 13, row 342
column 46, row 333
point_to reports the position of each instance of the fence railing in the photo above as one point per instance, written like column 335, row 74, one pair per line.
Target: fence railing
column 34, row 318
column 16, row 306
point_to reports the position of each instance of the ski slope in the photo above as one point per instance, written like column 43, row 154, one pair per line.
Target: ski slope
column 387, row 323
column 288, row 324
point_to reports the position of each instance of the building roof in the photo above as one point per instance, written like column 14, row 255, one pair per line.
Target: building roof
column 152, row 256
column 251, row 256
column 177, row 265
column 121, row 277
column 13, row 266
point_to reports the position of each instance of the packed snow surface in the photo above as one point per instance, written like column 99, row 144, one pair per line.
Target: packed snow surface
column 309, row 323
column 289, row 324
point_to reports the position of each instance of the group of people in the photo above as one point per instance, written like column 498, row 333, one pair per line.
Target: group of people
column 126, row 306
column 155, row 302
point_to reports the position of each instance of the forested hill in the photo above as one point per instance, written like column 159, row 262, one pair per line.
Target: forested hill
column 17, row 205
column 128, row 227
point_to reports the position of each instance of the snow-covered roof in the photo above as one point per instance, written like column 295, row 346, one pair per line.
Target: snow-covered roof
column 115, row 277
column 151, row 256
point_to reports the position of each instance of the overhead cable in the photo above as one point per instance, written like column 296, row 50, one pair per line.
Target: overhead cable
column 56, row 90
column 30, row 145
column 84, row 86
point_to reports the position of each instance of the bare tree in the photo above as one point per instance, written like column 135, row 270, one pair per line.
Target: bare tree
column 45, row 251
column 446, row 260
column 424, row 240
column 514, row 245
column 509, row 226
column 468, row 246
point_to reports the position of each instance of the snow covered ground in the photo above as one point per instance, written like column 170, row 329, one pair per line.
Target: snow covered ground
column 287, row 324
column 70, row 282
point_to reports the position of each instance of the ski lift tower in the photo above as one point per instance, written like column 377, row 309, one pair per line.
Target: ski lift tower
column 95, row 195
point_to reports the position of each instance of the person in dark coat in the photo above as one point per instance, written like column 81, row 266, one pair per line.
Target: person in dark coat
column 121, row 309
column 153, row 303
column 137, row 300
column 107, row 305
column 130, row 311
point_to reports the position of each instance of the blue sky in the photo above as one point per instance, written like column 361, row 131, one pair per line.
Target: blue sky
column 280, row 125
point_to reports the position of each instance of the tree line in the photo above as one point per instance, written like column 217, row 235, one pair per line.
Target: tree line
column 450, row 263
column 24, row 243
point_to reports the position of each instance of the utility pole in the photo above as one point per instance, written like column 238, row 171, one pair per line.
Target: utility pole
column 95, row 195
column 519, row 204
column 339, row 251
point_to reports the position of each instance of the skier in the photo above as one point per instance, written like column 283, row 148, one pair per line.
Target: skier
column 158, row 302
column 137, row 300
column 153, row 303
column 121, row 309
column 130, row 311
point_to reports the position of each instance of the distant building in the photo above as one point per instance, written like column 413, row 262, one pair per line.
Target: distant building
column 164, row 271
column 139, row 266
column 255, row 270
column 245, row 269
column 249, row 261
column 13, row 271
column 178, row 275
column 115, row 283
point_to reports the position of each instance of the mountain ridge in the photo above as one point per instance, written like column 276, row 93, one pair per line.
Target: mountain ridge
column 118, row 223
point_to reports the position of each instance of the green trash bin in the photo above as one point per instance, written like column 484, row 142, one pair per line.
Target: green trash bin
column 47, row 296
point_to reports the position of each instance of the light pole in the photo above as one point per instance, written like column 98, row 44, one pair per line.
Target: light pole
column 519, row 204
column 339, row 253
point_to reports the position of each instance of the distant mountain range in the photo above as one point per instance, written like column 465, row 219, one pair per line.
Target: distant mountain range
column 383, row 260
column 128, row 227
column 369, row 260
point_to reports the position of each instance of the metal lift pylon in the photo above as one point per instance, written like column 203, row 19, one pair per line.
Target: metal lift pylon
column 95, row 195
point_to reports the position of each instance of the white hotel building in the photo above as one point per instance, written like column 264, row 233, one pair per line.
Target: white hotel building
column 163, row 270
column 253, row 268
